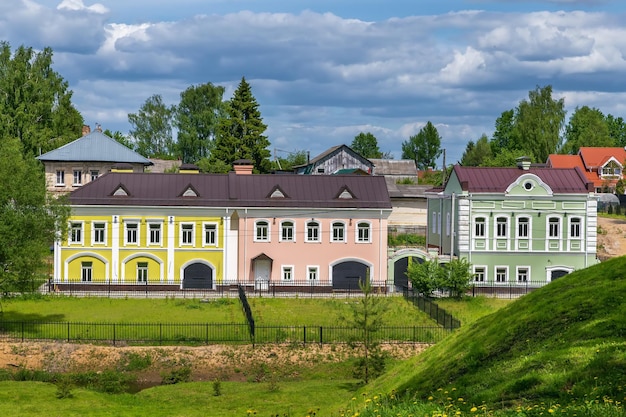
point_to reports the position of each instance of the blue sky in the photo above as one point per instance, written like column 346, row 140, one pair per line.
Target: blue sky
column 323, row 71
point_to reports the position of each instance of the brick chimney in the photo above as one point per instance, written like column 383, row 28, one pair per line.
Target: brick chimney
column 243, row 166
column 86, row 130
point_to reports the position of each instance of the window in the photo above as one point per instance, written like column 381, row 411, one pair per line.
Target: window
column 553, row 227
column 60, row 177
column 155, row 233
column 78, row 177
column 76, row 232
column 438, row 223
column 93, row 175
column 186, row 234
column 479, row 274
column 501, row 274
column 522, row 227
column 363, row 232
column 287, row 231
column 339, row 232
column 132, row 233
column 448, row 224
column 522, row 274
column 312, row 273
column 574, row 228
column 287, row 273
column 501, row 226
column 142, row 272
column 262, row 229
column 99, row 233
column 210, row 234
column 313, row 232
column 479, row 227
column 86, row 271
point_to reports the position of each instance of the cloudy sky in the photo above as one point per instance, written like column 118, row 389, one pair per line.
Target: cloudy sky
column 325, row 70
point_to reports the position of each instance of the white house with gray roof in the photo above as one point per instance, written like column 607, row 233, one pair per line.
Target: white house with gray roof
column 85, row 159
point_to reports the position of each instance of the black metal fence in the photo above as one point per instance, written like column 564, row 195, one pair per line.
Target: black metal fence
column 206, row 333
column 301, row 288
column 445, row 319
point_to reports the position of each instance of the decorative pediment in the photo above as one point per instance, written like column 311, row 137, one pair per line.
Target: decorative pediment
column 277, row 192
column 529, row 184
column 189, row 192
column 345, row 194
column 120, row 191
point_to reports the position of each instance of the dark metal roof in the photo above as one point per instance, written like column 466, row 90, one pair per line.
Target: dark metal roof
column 95, row 147
column 232, row 190
column 497, row 180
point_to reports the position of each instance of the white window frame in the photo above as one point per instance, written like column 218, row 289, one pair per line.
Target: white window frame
column 86, row 271
column 135, row 223
column 338, row 225
column 150, row 225
column 77, row 180
column 98, row 231
column 78, row 226
column 359, row 238
column 209, row 234
column 284, row 228
column 476, row 272
column 318, row 231
column 497, row 269
column 579, row 222
column 505, row 227
column 93, row 177
column 448, row 224
column 187, row 232
column 313, row 273
column 434, row 221
column 60, row 173
column 550, row 222
column 287, row 273
column 142, row 272
column 518, row 270
column 259, row 225
column 438, row 223
column 518, row 235
column 480, row 223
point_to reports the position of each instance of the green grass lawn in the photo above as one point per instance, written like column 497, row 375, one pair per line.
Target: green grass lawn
column 266, row 311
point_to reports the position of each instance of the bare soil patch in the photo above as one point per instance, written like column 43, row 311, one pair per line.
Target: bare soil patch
column 207, row 363
column 611, row 237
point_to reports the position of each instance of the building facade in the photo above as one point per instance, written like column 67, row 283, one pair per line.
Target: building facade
column 515, row 225
column 185, row 231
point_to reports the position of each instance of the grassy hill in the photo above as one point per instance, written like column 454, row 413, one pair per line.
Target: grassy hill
column 565, row 342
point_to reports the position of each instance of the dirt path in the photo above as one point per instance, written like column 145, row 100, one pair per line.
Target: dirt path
column 611, row 237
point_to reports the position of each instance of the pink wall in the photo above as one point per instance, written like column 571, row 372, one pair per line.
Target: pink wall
column 302, row 254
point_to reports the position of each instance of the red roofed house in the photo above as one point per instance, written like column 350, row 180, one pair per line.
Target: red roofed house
column 604, row 167
column 515, row 226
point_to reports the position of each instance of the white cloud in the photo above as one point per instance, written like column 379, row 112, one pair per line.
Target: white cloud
column 78, row 5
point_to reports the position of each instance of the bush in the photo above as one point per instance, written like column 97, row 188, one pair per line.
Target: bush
column 175, row 376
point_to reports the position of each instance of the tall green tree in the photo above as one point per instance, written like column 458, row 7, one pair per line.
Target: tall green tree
column 617, row 129
column 476, row 153
column 425, row 277
column 424, row 148
column 366, row 145
column 457, row 277
column 151, row 128
column 35, row 102
column 504, row 135
column 30, row 219
column 538, row 124
column 197, row 116
column 586, row 127
column 240, row 133
column 293, row 159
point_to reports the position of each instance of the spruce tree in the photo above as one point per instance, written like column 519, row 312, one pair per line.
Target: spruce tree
column 240, row 134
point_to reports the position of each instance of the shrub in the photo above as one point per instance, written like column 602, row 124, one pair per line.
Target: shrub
column 175, row 376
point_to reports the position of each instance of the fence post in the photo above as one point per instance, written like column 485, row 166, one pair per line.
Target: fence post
column 207, row 333
column 160, row 334
column 114, row 334
column 68, row 332
column 321, row 342
column 304, row 336
column 22, row 331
